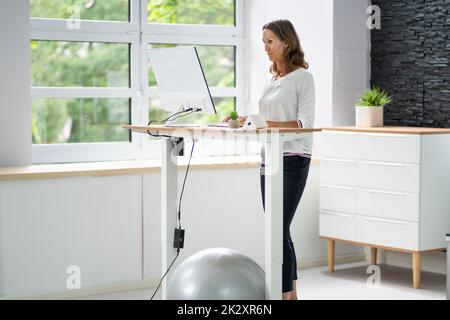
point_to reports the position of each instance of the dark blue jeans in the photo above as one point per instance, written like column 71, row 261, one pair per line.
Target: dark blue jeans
column 295, row 173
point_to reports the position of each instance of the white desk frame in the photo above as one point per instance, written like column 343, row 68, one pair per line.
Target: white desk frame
column 272, row 141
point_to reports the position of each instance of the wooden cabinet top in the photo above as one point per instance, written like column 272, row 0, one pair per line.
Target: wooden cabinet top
column 388, row 129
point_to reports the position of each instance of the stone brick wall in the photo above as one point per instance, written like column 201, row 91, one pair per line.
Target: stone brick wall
column 410, row 59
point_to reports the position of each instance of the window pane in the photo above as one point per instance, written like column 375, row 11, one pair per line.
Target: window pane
column 80, row 120
column 111, row 10
column 223, row 107
column 79, row 64
column 217, row 12
column 218, row 63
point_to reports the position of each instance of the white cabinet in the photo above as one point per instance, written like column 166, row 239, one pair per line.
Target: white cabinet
column 338, row 225
column 385, row 188
column 338, row 172
column 388, row 204
column 341, row 145
column 388, row 232
column 389, row 147
column 389, row 175
column 337, row 198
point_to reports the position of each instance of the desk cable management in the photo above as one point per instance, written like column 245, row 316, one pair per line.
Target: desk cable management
column 179, row 232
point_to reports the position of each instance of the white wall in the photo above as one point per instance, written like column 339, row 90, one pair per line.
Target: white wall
column 313, row 21
column 351, row 71
column 47, row 225
column 15, row 97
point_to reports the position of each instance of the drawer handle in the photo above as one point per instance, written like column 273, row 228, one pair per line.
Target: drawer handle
column 336, row 187
column 385, row 192
column 384, row 220
column 333, row 213
column 386, row 164
column 337, row 160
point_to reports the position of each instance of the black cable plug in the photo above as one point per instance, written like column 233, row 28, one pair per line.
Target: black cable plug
column 178, row 146
column 178, row 239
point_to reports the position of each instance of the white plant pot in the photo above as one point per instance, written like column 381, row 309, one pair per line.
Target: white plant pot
column 234, row 123
column 368, row 116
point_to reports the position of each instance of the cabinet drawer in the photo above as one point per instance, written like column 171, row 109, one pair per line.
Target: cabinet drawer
column 335, row 225
column 389, row 147
column 337, row 145
column 337, row 198
column 389, row 233
column 338, row 171
column 388, row 204
column 389, row 176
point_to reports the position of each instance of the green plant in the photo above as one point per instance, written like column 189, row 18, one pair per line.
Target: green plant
column 233, row 115
column 374, row 97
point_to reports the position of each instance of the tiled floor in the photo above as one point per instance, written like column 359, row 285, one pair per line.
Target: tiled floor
column 349, row 281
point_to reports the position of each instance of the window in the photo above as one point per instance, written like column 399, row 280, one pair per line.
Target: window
column 79, row 120
column 90, row 73
column 218, row 63
column 212, row 12
column 79, row 64
column 112, row 10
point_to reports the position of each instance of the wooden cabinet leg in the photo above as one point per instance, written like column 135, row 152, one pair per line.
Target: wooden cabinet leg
column 373, row 255
column 331, row 255
column 416, row 269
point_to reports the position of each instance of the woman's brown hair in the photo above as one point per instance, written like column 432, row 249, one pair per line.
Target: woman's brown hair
column 294, row 56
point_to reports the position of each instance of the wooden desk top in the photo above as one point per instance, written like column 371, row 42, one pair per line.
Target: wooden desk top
column 388, row 129
column 224, row 130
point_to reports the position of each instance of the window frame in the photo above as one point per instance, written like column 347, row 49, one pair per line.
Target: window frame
column 138, row 33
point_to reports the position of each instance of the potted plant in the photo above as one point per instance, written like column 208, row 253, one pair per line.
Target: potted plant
column 369, row 110
column 234, row 121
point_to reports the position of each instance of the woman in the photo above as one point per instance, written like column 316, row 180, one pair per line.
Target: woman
column 288, row 101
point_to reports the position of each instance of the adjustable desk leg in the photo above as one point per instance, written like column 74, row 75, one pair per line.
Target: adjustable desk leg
column 274, row 218
column 169, row 190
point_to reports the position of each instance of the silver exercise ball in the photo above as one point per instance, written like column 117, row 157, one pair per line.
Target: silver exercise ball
column 217, row 274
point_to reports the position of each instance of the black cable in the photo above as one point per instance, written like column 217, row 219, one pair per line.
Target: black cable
column 184, row 182
column 160, row 282
column 183, row 115
column 156, row 135
column 174, row 114
column 179, row 218
column 192, row 110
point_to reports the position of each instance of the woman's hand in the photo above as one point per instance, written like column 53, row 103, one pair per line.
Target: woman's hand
column 226, row 119
column 241, row 119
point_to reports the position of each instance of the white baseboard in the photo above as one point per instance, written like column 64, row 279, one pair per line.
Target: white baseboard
column 153, row 282
column 79, row 293
column 431, row 261
column 324, row 261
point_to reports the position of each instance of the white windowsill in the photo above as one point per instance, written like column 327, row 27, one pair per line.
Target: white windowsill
column 110, row 168
column 114, row 168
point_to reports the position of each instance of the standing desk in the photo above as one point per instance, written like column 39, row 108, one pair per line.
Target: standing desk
column 272, row 139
